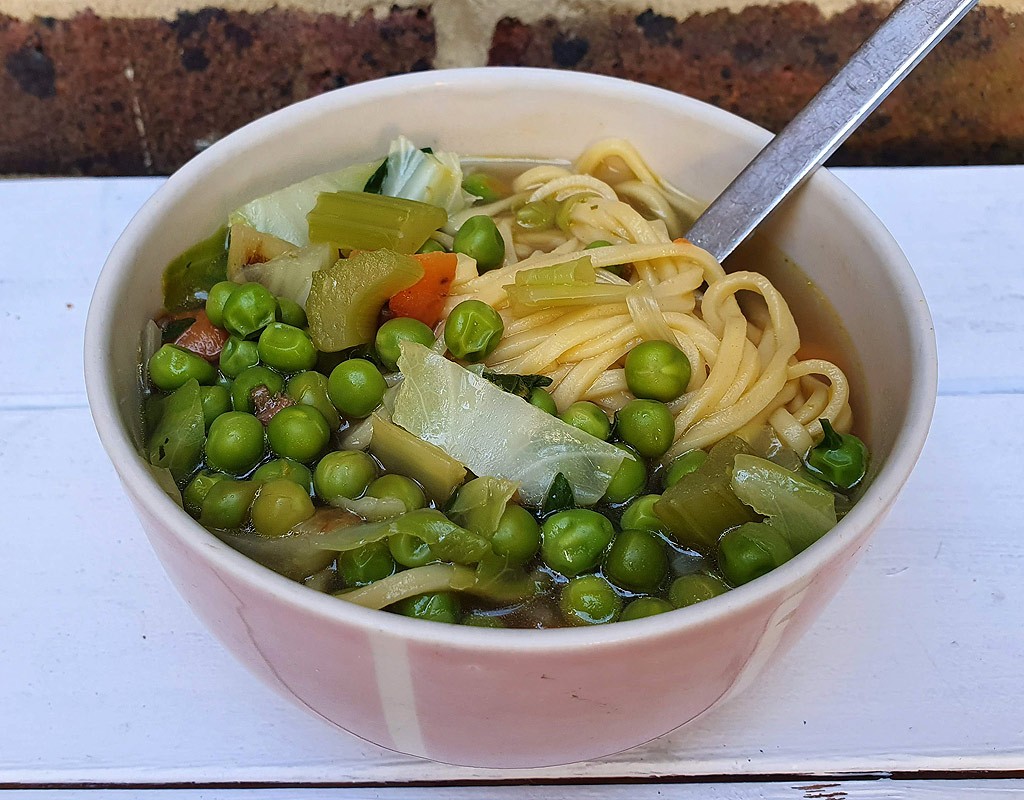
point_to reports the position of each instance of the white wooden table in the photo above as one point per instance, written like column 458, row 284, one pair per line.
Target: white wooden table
column 911, row 683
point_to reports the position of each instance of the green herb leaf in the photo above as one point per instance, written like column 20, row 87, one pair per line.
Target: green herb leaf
column 560, row 496
column 376, row 180
column 519, row 385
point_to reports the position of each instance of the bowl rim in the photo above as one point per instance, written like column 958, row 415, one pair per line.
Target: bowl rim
column 140, row 484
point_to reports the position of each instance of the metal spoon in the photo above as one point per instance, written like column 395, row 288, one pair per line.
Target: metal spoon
column 905, row 37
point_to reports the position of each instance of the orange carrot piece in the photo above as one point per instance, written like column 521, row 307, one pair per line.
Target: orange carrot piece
column 202, row 337
column 424, row 300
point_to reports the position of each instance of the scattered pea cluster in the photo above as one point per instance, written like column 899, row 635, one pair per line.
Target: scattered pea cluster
column 272, row 410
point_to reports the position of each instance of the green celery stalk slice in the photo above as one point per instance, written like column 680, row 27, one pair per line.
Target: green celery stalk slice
column 364, row 221
column 178, row 438
column 702, row 505
column 190, row 276
column 402, row 452
column 568, row 294
column 579, row 270
column 345, row 299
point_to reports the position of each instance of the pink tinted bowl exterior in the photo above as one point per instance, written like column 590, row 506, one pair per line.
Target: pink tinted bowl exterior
column 505, row 698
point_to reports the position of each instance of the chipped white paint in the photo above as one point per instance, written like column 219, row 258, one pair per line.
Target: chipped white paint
column 107, row 677
column 140, row 123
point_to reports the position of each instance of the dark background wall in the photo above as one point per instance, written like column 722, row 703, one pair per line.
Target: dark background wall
column 87, row 94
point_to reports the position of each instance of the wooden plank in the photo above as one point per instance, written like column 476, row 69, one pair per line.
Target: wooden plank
column 817, row 789
column 960, row 228
column 107, row 678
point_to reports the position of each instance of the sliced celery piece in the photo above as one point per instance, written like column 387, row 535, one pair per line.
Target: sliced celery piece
column 291, row 273
column 402, row 452
column 189, row 277
column 579, row 270
column 496, row 433
column 480, row 504
column 345, row 299
column 246, row 245
column 797, row 508
column 567, row 294
column 283, row 213
column 363, row 221
column 702, row 506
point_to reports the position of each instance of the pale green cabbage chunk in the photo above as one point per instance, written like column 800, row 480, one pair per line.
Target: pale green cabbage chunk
column 283, row 213
column 434, row 178
column 496, row 433
column 795, row 507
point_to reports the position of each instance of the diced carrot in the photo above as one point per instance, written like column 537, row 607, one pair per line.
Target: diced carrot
column 681, row 240
column 424, row 300
column 202, row 337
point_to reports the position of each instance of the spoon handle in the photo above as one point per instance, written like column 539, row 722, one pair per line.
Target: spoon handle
column 903, row 39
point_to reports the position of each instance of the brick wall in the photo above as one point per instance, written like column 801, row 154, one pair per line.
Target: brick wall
column 125, row 87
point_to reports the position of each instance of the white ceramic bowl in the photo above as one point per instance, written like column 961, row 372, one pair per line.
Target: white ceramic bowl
column 510, row 698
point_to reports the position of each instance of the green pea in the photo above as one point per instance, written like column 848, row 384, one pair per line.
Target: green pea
column 298, row 432
column 356, row 387
column 645, row 607
column 537, row 215
column 574, row 541
column 249, row 379
column 400, row 487
column 637, row 561
column 365, row 565
column 657, row 370
column 285, row 468
column 487, row 187
column 544, row 401
column 286, row 348
column 291, row 313
column 432, row 246
column 686, row 463
column 343, row 474
column 280, row 505
column 171, row 367
column 310, row 389
column 629, row 480
column 647, row 425
column 695, row 588
column 237, row 356
column 841, row 459
column 750, row 551
column 483, row 621
column 392, row 333
column 197, row 489
column 227, row 503
column 215, row 300
column 433, row 607
column 473, row 330
column 235, row 443
column 480, row 239
column 410, row 551
column 589, row 418
column 216, row 401
column 639, row 515
column 517, row 537
column 589, row 600
column 249, row 309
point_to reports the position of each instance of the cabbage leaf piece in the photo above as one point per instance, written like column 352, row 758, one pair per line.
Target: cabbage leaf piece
column 480, row 504
column 434, row 178
column 283, row 213
column 177, row 440
column 496, row 433
column 798, row 509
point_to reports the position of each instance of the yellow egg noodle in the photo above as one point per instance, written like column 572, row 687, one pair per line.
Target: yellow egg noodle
column 745, row 369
